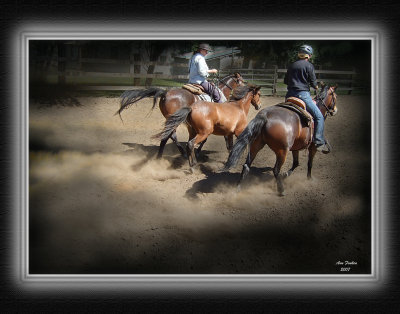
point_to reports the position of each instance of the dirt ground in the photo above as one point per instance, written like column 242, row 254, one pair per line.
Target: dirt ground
column 100, row 203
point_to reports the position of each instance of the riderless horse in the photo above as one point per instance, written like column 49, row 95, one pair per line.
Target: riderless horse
column 205, row 118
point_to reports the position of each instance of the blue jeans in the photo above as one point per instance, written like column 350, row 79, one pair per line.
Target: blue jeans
column 314, row 111
column 211, row 90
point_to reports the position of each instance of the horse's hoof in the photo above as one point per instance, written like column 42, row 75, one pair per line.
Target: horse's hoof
column 238, row 188
column 283, row 193
column 286, row 174
column 191, row 170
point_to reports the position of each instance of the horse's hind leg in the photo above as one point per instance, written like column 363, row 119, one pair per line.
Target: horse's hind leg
column 190, row 148
column 256, row 146
column 198, row 150
column 295, row 164
column 229, row 142
column 245, row 170
column 161, row 149
column 180, row 147
column 190, row 153
column 280, row 159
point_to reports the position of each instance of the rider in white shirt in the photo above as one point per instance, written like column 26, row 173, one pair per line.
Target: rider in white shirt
column 199, row 71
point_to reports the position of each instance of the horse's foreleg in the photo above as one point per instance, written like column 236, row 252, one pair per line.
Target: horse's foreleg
column 280, row 160
column 295, row 164
column 311, row 153
column 180, row 147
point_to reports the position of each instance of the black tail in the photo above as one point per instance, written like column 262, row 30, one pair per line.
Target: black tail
column 248, row 135
column 130, row 97
column 173, row 122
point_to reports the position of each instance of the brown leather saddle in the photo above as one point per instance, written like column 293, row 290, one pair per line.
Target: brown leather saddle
column 196, row 89
column 297, row 105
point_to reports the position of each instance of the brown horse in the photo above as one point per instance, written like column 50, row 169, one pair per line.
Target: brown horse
column 282, row 130
column 173, row 100
column 205, row 118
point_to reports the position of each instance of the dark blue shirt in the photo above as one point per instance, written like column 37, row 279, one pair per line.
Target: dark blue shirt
column 300, row 76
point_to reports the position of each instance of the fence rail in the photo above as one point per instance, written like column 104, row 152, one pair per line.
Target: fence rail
column 270, row 80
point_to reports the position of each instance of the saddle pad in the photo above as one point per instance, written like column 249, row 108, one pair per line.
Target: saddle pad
column 195, row 89
column 304, row 115
column 205, row 97
column 297, row 101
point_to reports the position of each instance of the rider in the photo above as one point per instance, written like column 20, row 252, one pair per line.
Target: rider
column 300, row 75
column 199, row 71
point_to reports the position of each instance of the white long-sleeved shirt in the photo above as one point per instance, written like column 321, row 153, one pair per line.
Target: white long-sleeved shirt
column 198, row 69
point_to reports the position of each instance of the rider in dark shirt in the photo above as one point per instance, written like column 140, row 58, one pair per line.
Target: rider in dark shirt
column 299, row 77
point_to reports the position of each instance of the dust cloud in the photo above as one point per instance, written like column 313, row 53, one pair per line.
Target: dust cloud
column 100, row 201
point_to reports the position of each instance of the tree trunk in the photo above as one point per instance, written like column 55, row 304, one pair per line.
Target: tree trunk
column 150, row 70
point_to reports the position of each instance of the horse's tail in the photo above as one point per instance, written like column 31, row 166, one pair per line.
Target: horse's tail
column 245, row 138
column 173, row 122
column 130, row 97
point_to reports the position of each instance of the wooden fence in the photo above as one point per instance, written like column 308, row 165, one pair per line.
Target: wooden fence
column 271, row 80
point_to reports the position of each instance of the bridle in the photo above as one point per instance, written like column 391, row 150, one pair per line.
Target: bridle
column 237, row 81
column 329, row 108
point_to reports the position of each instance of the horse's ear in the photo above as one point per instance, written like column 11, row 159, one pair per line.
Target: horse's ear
column 335, row 86
column 322, row 84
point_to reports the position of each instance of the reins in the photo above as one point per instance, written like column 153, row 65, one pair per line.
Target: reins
column 329, row 109
column 233, row 78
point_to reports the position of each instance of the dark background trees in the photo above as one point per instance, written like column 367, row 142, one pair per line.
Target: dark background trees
column 56, row 57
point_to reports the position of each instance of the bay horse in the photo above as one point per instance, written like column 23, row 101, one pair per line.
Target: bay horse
column 173, row 100
column 205, row 118
column 283, row 131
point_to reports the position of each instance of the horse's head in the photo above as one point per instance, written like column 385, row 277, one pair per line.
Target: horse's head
column 327, row 99
column 238, row 78
column 256, row 99
column 230, row 82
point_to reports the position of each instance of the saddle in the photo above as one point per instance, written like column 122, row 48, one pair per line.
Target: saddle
column 196, row 89
column 297, row 105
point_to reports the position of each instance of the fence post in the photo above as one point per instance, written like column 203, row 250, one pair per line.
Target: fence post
column 275, row 82
column 351, row 83
column 79, row 59
column 134, row 66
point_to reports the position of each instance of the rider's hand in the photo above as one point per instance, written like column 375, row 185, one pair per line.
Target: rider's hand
column 213, row 71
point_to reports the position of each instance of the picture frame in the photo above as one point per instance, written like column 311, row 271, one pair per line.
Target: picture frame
column 260, row 282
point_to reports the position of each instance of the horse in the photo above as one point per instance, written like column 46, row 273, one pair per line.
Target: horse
column 205, row 118
column 282, row 130
column 173, row 100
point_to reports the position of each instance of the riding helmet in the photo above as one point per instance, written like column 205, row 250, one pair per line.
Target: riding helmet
column 306, row 49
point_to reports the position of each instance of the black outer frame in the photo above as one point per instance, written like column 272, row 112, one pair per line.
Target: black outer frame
column 290, row 291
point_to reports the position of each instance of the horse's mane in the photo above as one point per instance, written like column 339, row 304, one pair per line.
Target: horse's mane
column 322, row 94
column 240, row 91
